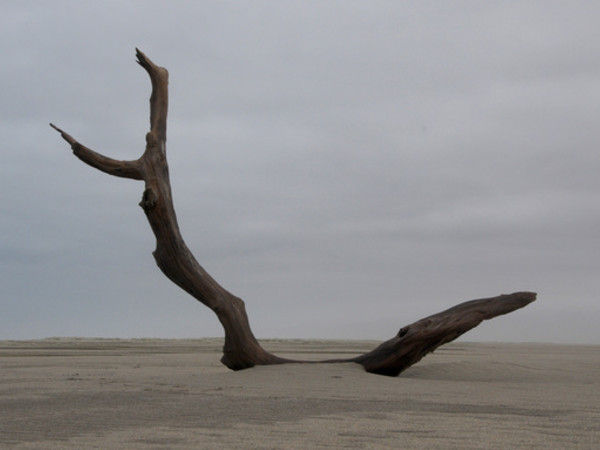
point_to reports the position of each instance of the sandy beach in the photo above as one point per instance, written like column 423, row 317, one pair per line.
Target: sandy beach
column 160, row 394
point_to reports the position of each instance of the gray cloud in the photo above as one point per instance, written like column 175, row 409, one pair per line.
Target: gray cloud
column 344, row 167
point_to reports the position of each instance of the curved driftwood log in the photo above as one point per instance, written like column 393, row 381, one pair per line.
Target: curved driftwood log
column 416, row 340
column 175, row 260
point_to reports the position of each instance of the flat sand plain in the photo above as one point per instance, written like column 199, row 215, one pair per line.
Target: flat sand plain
column 163, row 394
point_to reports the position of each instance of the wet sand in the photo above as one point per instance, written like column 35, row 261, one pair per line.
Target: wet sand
column 162, row 394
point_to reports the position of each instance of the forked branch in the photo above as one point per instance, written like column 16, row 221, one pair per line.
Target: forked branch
column 175, row 260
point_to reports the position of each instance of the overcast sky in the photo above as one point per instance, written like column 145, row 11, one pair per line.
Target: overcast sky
column 346, row 167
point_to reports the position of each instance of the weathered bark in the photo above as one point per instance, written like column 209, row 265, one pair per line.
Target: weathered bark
column 175, row 260
column 416, row 340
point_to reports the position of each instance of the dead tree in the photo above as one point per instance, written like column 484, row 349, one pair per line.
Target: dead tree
column 241, row 349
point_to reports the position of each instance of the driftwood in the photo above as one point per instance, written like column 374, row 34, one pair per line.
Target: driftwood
column 175, row 260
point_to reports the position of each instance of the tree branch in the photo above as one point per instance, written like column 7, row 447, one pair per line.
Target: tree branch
column 124, row 169
column 159, row 100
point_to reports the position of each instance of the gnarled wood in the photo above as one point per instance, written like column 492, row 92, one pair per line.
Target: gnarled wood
column 175, row 260
column 416, row 340
column 173, row 257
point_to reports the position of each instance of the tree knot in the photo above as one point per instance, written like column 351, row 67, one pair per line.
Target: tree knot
column 151, row 140
column 149, row 200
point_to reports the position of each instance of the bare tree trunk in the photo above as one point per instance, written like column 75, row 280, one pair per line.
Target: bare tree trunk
column 175, row 260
